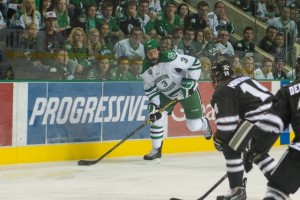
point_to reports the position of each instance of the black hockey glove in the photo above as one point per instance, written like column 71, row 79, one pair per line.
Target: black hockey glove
column 154, row 113
column 187, row 87
column 249, row 158
column 218, row 143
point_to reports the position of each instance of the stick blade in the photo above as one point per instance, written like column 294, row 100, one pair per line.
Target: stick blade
column 86, row 162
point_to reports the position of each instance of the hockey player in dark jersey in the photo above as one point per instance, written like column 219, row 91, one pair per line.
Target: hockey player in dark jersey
column 285, row 177
column 238, row 102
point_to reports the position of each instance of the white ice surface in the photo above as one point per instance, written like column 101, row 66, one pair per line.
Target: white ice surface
column 186, row 176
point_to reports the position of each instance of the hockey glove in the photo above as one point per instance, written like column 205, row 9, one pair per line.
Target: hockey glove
column 154, row 113
column 249, row 158
column 218, row 143
column 187, row 87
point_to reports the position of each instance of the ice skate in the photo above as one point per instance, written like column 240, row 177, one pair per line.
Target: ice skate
column 154, row 155
column 207, row 131
column 237, row 193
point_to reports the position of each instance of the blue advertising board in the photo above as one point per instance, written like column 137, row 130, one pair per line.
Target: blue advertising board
column 84, row 112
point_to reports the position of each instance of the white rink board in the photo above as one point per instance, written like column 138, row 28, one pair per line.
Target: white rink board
column 186, row 176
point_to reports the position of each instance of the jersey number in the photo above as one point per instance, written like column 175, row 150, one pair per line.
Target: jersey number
column 254, row 92
column 165, row 84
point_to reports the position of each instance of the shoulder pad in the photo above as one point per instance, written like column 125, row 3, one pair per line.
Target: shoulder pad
column 167, row 56
column 146, row 66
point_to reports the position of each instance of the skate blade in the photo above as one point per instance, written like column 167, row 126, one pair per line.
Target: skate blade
column 155, row 161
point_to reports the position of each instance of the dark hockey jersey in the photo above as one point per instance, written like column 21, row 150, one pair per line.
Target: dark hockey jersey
column 239, row 98
column 285, row 110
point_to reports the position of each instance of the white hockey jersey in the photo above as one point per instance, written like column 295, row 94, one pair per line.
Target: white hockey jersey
column 166, row 76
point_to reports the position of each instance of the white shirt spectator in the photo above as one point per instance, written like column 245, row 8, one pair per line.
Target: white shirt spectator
column 225, row 49
column 123, row 48
column 258, row 74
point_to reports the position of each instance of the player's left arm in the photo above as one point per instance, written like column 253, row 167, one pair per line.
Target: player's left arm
column 193, row 70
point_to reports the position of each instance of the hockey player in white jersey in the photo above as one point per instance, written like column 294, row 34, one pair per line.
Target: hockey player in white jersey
column 168, row 75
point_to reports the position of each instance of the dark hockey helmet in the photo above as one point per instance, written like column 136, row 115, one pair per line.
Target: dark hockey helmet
column 220, row 71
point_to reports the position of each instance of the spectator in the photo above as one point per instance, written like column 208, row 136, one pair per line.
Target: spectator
column 136, row 67
column 265, row 72
column 279, row 48
column 237, row 68
column 129, row 18
column 295, row 16
column 223, row 45
column 209, row 49
column 107, row 11
column 188, row 44
column 248, row 66
column 183, row 12
column 282, row 71
column 147, row 23
column 77, row 7
column 63, row 19
column 199, row 20
column 165, row 22
column 45, row 6
column 131, row 46
column 262, row 12
column 48, row 39
column 105, row 40
column 61, row 69
column 266, row 43
column 154, row 6
column 199, row 37
column 100, row 70
column 272, row 8
column 76, row 46
column 93, row 44
column 287, row 27
column 177, row 36
column 25, row 61
column 205, row 68
column 89, row 19
column 217, row 19
column 4, row 9
column 248, row 6
column 245, row 47
column 27, row 14
column 165, row 43
column 121, row 72
column 279, row 4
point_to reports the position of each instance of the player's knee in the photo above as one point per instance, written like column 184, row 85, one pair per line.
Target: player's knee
column 194, row 124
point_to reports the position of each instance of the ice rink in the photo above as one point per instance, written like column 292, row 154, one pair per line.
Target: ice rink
column 186, row 176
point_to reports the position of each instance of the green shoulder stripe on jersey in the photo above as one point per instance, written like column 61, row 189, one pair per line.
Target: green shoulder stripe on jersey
column 196, row 65
column 191, row 69
column 167, row 56
column 149, row 90
column 146, row 66
column 196, row 62
column 152, row 96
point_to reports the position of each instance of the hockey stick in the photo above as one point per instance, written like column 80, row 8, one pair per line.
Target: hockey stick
column 92, row 162
column 210, row 190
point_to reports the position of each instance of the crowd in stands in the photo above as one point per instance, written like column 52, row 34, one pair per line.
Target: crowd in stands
column 103, row 40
